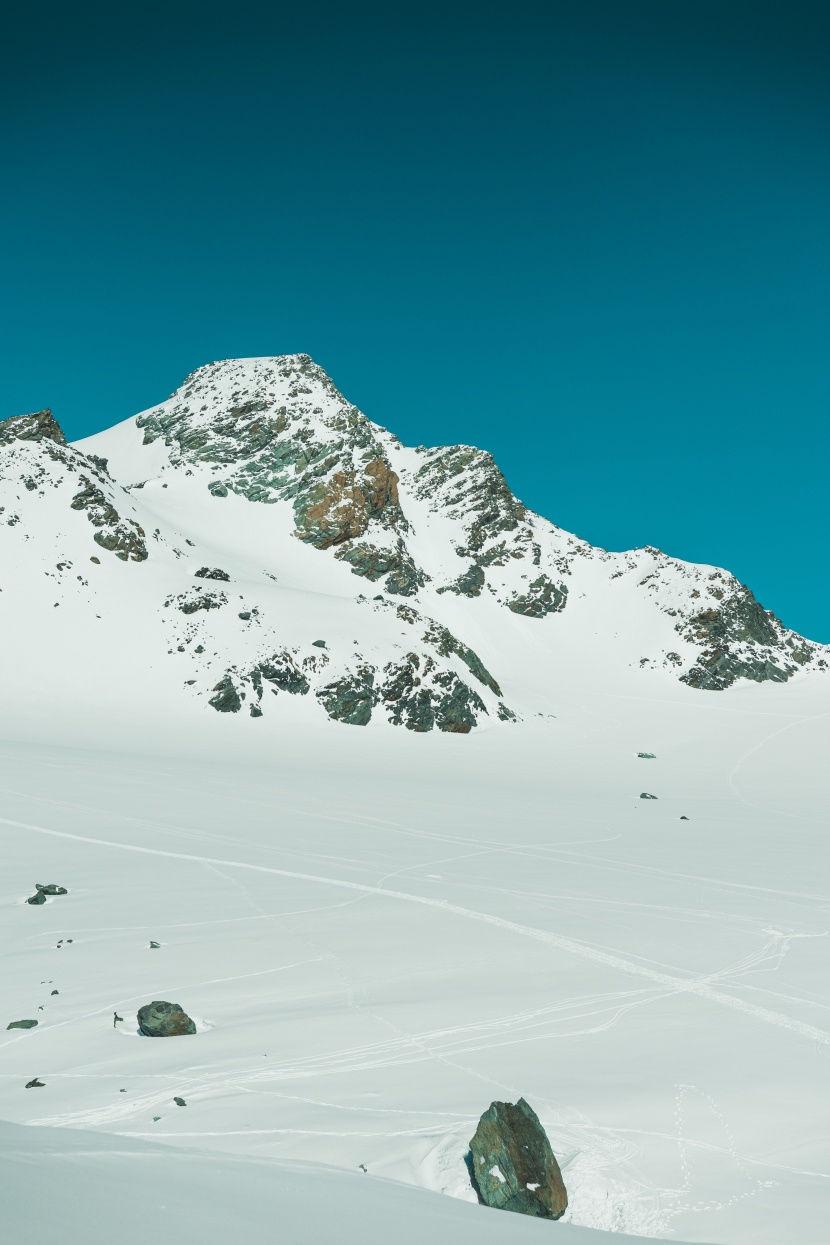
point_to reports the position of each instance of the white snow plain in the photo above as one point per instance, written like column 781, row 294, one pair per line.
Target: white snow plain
column 379, row 932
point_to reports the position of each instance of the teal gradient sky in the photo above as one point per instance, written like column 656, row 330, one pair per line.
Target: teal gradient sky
column 589, row 237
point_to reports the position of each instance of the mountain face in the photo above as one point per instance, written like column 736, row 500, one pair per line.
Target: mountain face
column 256, row 545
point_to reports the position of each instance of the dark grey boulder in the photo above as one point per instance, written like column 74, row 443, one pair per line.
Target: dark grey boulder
column 38, row 897
column 180, row 1102
column 51, row 889
column 646, row 795
column 647, row 756
column 34, row 1084
column 160, row 1019
column 512, row 1164
column 22, row 1024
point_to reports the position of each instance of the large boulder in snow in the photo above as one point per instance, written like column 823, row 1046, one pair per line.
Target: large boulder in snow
column 160, row 1019
column 513, row 1165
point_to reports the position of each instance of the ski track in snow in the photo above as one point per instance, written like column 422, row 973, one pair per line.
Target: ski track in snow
column 669, row 982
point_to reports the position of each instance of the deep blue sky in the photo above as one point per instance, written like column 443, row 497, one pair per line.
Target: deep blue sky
column 590, row 237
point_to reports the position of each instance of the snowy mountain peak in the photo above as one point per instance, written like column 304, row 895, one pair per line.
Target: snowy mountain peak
column 274, row 542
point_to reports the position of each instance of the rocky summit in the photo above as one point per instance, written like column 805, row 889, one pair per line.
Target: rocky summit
column 255, row 548
column 512, row 1164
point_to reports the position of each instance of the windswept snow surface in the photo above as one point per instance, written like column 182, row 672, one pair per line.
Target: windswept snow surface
column 96, row 1190
column 379, row 932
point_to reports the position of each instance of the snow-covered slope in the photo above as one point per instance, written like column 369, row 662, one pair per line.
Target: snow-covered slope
column 378, row 931
column 98, row 1192
column 256, row 544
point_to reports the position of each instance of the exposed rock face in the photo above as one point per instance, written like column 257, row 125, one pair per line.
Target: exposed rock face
column 343, row 506
column 282, row 674
column 468, row 485
column 447, row 644
column 334, row 470
column 447, row 702
column 40, row 426
column 542, row 597
column 438, row 531
column 160, row 1019
column 226, row 698
column 351, row 698
column 468, row 584
column 403, row 576
column 742, row 641
column 513, row 1165
column 123, row 537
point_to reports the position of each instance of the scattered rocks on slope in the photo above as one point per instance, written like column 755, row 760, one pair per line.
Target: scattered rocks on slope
column 513, row 1165
column 161, row 1019
column 22, row 1024
column 215, row 572
column 191, row 601
column 42, row 891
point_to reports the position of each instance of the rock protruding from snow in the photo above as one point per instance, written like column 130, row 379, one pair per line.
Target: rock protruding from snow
column 161, row 1019
column 39, row 426
column 513, row 1165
